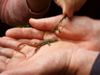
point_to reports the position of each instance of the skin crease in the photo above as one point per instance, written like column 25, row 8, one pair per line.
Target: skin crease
column 70, row 6
column 47, row 54
column 5, row 56
column 29, row 63
column 78, row 29
column 29, row 59
column 60, row 53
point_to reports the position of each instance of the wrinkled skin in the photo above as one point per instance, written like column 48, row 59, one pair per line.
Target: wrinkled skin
column 60, row 55
column 37, row 64
column 81, row 32
column 5, row 56
column 70, row 6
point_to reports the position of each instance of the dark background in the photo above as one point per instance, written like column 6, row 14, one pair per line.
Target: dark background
column 91, row 9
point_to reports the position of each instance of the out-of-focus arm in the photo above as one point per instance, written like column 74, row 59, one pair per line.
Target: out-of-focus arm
column 17, row 12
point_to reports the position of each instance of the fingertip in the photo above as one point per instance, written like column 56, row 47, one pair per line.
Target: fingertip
column 30, row 20
column 33, row 22
column 68, row 12
column 45, row 24
column 13, row 32
column 8, row 32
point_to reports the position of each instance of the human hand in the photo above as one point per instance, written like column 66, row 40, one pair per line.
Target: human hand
column 79, row 28
column 3, row 58
column 5, row 54
column 70, row 6
column 82, row 30
column 61, row 55
column 10, row 50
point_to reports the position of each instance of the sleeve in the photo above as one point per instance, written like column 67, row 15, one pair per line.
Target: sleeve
column 96, row 67
column 16, row 12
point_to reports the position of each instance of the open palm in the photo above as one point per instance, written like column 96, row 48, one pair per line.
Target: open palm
column 80, row 30
column 55, row 59
column 29, row 62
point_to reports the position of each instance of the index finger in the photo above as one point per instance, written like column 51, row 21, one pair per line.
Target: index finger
column 46, row 24
column 25, row 33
